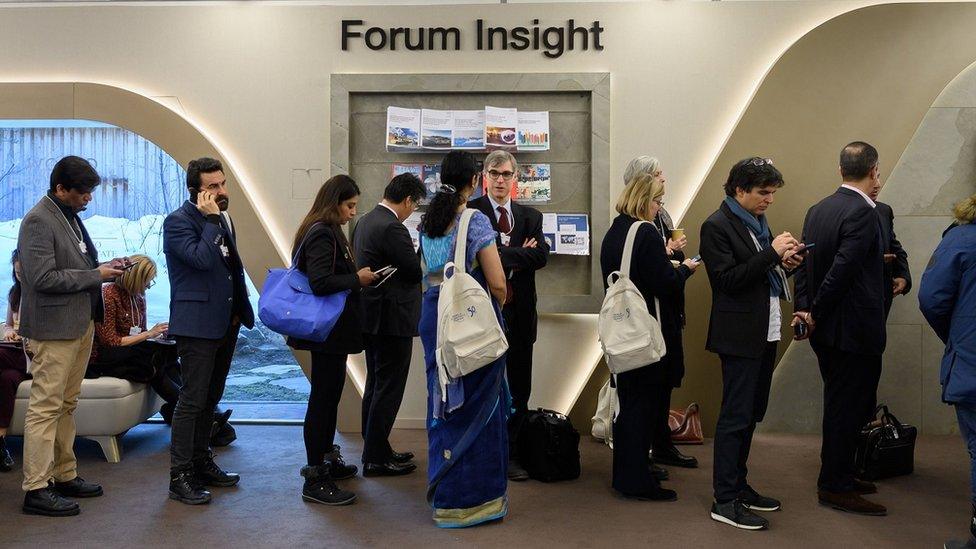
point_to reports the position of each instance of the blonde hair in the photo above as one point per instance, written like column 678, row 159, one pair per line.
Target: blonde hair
column 965, row 210
column 135, row 280
column 638, row 194
column 641, row 165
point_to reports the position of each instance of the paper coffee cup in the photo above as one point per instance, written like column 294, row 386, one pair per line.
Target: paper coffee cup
column 675, row 264
column 676, row 234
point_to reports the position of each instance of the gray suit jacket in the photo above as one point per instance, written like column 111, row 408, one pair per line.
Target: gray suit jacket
column 57, row 277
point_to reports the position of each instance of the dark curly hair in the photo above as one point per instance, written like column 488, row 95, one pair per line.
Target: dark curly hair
column 751, row 173
column 457, row 170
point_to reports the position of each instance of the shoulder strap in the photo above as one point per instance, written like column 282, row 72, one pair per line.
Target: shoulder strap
column 461, row 244
column 294, row 258
column 629, row 248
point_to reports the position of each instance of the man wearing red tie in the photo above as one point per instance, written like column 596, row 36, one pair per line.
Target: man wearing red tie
column 523, row 251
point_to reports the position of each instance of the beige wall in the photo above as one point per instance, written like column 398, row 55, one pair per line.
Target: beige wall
column 253, row 80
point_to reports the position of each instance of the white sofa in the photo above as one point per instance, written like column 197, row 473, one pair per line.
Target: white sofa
column 107, row 408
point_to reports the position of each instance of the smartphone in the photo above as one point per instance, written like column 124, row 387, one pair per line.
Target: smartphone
column 800, row 329
column 696, row 259
column 129, row 266
column 385, row 274
column 807, row 248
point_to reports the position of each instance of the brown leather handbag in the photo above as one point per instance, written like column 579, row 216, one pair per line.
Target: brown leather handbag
column 686, row 425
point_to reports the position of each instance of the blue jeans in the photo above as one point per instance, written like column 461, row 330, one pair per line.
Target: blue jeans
column 967, row 426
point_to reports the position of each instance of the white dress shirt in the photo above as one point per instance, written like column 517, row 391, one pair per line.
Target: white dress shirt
column 860, row 192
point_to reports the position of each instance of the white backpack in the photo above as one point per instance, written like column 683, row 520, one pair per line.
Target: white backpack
column 630, row 336
column 468, row 333
column 606, row 413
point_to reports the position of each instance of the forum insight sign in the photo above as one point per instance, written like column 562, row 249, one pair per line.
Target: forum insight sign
column 552, row 41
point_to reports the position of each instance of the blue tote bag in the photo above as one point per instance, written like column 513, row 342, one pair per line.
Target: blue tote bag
column 288, row 306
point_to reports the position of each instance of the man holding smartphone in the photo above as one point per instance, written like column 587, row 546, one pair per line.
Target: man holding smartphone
column 208, row 305
column 747, row 268
column 392, row 314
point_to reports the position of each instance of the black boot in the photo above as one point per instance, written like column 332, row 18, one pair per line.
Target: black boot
column 222, row 433
column 321, row 488
column 209, row 474
column 338, row 467
column 166, row 412
column 47, row 502
column 183, row 488
column 6, row 460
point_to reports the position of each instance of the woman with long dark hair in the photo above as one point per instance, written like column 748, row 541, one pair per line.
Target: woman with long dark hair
column 13, row 363
column 466, row 422
column 323, row 253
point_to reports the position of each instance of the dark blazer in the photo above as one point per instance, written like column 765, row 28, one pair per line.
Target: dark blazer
column 62, row 288
column 202, row 281
column 520, row 264
column 842, row 279
column 328, row 263
column 652, row 273
column 738, row 273
column 394, row 307
column 890, row 245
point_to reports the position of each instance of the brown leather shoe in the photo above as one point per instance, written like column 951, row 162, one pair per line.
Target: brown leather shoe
column 864, row 487
column 850, row 502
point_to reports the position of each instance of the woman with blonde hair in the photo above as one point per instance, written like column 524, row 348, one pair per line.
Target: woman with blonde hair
column 947, row 298
column 125, row 347
column 640, row 391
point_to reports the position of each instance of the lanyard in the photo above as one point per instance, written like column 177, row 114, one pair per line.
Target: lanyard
column 135, row 312
column 81, row 240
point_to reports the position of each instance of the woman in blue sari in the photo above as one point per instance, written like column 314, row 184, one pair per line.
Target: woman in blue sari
column 466, row 427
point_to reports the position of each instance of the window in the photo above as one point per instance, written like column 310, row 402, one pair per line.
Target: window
column 140, row 185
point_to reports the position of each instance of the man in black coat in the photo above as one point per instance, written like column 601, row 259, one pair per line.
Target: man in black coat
column 745, row 266
column 840, row 296
column 896, row 273
column 523, row 251
column 391, row 315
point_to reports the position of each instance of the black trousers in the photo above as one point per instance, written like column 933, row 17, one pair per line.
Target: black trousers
column 518, row 369
column 387, row 366
column 204, row 364
column 745, row 395
column 638, row 392
column 144, row 362
column 850, row 389
column 328, row 378
column 661, row 436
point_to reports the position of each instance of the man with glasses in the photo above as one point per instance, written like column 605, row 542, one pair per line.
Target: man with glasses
column 840, row 297
column 392, row 314
column 523, row 251
column 747, row 268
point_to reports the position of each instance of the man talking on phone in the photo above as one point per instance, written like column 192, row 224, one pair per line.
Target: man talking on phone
column 747, row 267
column 208, row 305
column 392, row 314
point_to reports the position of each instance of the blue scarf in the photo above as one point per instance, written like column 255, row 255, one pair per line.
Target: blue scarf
column 760, row 229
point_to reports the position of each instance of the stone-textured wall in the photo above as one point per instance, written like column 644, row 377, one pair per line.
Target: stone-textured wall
column 937, row 169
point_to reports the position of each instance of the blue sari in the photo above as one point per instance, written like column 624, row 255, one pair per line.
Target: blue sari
column 466, row 428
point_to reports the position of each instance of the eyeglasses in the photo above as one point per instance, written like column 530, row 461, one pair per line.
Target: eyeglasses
column 659, row 203
column 761, row 161
column 150, row 284
column 495, row 174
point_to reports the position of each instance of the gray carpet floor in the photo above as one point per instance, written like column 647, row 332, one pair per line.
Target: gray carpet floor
column 266, row 510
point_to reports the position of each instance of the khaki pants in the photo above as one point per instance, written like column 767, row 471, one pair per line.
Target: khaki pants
column 58, row 368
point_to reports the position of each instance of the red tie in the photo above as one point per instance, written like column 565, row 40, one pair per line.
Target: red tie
column 505, row 227
column 503, row 224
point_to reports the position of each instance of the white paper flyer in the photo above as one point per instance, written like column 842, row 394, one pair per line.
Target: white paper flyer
column 469, row 130
column 533, row 131
column 534, row 183
column 435, row 129
column 500, row 126
column 402, row 129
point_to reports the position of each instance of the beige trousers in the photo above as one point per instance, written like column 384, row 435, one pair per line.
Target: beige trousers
column 58, row 368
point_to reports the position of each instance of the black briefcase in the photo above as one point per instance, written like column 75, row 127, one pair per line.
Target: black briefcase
column 548, row 446
column 886, row 447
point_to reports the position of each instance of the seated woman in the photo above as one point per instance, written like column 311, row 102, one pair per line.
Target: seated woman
column 13, row 364
column 466, row 428
column 124, row 348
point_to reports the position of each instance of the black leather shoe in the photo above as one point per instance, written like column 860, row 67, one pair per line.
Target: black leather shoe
column 516, row 472
column 6, row 460
column 49, row 503
column 402, row 457
column 338, row 468
column 78, row 488
column 209, row 474
column 388, row 469
column 320, row 487
column 184, row 489
column 656, row 494
column 660, row 473
column 671, row 456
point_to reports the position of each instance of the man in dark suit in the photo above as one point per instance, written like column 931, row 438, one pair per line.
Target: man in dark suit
column 523, row 251
column 392, row 313
column 896, row 273
column 840, row 296
column 208, row 305
column 745, row 266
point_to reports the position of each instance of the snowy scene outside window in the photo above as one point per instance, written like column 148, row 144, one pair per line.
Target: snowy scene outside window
column 140, row 185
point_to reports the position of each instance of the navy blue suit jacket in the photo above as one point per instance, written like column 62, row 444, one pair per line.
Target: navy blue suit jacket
column 201, row 279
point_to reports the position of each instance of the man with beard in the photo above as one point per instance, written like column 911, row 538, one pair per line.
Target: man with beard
column 208, row 305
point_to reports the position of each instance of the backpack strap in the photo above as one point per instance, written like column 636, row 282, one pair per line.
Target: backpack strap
column 461, row 242
column 629, row 248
